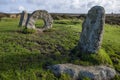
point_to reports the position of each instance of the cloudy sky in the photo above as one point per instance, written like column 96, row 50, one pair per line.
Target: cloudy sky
column 58, row 6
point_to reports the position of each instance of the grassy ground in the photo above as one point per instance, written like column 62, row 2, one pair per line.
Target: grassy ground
column 25, row 56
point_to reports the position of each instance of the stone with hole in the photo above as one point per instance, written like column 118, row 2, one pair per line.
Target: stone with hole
column 23, row 18
column 92, row 30
column 40, row 14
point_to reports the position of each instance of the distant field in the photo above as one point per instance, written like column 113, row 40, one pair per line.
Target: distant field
column 25, row 56
column 113, row 19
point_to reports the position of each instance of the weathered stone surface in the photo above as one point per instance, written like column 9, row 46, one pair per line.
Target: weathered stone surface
column 39, row 14
column 92, row 30
column 23, row 18
column 78, row 72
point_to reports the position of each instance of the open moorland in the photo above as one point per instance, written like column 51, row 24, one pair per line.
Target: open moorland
column 26, row 56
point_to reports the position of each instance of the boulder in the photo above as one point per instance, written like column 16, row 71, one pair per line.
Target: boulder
column 80, row 72
column 92, row 30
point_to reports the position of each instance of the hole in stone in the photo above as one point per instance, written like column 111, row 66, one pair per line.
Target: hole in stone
column 39, row 23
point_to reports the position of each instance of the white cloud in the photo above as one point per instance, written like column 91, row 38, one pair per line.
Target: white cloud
column 76, row 3
column 71, row 6
column 13, row 0
column 21, row 8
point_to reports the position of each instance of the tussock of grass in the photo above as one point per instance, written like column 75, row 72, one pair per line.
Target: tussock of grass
column 28, row 31
column 100, row 58
column 104, row 58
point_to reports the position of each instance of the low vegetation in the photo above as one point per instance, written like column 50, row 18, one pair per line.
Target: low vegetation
column 92, row 59
column 28, row 31
column 26, row 56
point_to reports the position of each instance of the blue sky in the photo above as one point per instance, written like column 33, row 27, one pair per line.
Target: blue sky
column 59, row 6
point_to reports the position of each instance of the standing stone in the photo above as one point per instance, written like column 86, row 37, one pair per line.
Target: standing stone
column 39, row 14
column 92, row 30
column 23, row 18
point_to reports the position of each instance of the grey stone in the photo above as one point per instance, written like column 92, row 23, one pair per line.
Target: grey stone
column 23, row 18
column 39, row 14
column 79, row 72
column 92, row 30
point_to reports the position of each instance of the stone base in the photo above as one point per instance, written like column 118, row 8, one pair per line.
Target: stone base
column 79, row 72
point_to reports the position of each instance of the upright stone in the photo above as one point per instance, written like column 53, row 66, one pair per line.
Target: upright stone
column 23, row 18
column 92, row 30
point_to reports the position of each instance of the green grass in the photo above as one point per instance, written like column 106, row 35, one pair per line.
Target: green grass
column 111, row 44
column 28, row 31
column 39, row 23
column 25, row 56
column 101, row 58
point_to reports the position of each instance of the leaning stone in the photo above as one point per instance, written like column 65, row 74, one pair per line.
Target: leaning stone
column 40, row 14
column 79, row 72
column 23, row 18
column 92, row 30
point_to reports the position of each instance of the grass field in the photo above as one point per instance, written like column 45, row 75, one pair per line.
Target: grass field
column 25, row 56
